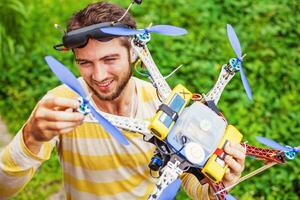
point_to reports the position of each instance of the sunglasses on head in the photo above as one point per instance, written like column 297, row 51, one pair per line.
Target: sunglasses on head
column 79, row 37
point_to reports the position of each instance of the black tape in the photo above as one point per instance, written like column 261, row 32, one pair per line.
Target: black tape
column 171, row 113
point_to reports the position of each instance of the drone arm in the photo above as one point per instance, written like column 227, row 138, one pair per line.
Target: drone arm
column 219, row 189
column 130, row 124
column 224, row 78
column 158, row 80
column 269, row 155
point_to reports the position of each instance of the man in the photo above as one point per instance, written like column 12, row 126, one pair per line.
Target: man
column 95, row 165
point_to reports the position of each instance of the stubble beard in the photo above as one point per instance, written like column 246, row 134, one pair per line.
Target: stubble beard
column 115, row 94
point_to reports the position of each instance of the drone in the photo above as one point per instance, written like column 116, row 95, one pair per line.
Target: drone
column 189, row 137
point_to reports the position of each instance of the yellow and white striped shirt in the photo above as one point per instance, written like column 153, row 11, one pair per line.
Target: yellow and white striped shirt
column 95, row 165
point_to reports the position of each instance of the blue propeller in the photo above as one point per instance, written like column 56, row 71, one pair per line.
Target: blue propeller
column 229, row 197
column 169, row 193
column 276, row 145
column 234, row 41
column 67, row 77
column 159, row 29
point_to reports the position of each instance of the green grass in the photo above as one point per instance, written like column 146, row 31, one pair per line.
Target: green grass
column 269, row 34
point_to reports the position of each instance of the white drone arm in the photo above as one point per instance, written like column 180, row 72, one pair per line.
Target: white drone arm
column 127, row 123
column 158, row 80
column 215, row 93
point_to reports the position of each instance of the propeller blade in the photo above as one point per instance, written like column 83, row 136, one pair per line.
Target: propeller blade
column 167, row 30
column 116, row 133
column 234, row 41
column 170, row 192
column 65, row 75
column 245, row 82
column 230, row 197
column 159, row 29
column 272, row 143
column 121, row 31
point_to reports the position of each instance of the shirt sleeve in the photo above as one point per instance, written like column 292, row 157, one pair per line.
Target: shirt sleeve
column 193, row 188
column 18, row 164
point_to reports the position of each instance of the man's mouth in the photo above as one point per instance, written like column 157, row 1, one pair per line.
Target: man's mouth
column 104, row 85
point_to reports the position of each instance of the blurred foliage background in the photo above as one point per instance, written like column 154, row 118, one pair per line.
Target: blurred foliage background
column 269, row 33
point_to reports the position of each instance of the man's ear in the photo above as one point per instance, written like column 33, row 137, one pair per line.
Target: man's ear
column 133, row 55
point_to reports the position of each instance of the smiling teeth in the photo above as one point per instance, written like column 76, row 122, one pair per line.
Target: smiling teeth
column 104, row 84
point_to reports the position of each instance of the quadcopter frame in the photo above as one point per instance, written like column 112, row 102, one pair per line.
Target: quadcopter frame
column 175, row 164
column 168, row 159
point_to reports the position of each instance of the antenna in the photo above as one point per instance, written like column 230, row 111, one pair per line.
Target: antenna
column 130, row 5
column 58, row 27
column 173, row 72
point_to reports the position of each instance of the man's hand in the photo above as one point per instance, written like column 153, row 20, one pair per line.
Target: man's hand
column 52, row 116
column 236, row 163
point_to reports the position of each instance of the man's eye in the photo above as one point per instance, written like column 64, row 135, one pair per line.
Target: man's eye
column 84, row 63
column 110, row 60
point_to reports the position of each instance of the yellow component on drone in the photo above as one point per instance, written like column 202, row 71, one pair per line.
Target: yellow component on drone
column 215, row 167
column 168, row 112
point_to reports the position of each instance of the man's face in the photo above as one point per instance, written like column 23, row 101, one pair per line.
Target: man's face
column 105, row 66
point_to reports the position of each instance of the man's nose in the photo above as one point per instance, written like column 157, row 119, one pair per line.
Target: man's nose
column 99, row 73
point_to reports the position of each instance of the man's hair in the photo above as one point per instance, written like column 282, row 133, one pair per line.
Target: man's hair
column 98, row 13
column 101, row 12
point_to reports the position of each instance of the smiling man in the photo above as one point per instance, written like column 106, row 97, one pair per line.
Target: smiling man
column 95, row 166
column 105, row 67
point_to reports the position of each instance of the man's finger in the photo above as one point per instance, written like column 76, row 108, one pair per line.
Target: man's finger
column 239, row 147
column 235, row 167
column 54, row 102
column 229, row 176
column 57, row 126
column 51, row 115
column 236, row 151
column 64, row 109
